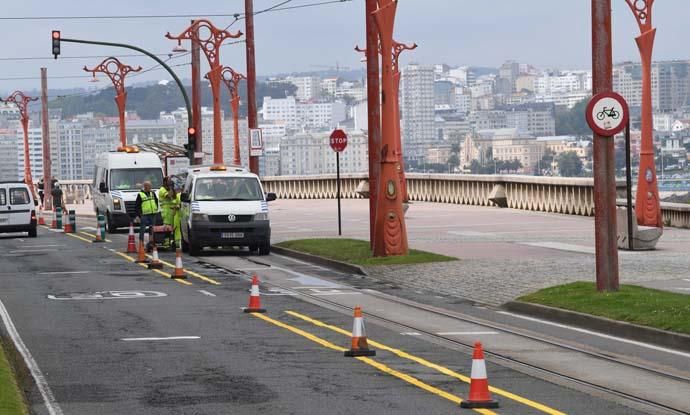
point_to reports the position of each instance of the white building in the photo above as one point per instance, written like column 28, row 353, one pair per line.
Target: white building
column 35, row 152
column 311, row 153
column 417, row 110
column 8, row 156
column 303, row 115
column 308, row 87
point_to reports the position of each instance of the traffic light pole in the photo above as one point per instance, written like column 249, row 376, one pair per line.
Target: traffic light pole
column 188, row 105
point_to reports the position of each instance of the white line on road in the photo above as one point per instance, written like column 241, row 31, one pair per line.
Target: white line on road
column 204, row 292
column 153, row 339
column 686, row 279
column 465, row 333
column 63, row 272
column 41, row 382
column 593, row 333
column 88, row 228
column 32, row 251
column 41, row 246
column 411, row 333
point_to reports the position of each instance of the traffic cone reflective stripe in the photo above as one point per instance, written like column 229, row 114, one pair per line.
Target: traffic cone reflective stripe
column 53, row 224
column 359, row 346
column 179, row 271
column 41, row 219
column 479, row 396
column 131, row 243
column 98, row 232
column 254, row 298
column 155, row 262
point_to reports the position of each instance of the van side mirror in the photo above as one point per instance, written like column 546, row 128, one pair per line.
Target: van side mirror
column 184, row 197
column 103, row 188
column 271, row 197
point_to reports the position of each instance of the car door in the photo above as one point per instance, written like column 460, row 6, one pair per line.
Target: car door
column 20, row 206
column 4, row 208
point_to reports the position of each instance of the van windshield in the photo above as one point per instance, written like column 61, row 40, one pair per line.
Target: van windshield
column 228, row 188
column 133, row 179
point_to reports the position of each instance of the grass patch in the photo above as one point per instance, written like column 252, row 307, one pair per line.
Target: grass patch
column 633, row 304
column 355, row 251
column 11, row 400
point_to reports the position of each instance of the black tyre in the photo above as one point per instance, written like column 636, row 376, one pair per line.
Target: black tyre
column 33, row 232
column 265, row 248
column 109, row 227
column 185, row 246
column 194, row 248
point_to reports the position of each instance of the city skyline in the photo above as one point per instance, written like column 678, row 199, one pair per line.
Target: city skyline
column 543, row 33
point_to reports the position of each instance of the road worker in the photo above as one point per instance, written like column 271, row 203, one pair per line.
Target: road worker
column 147, row 209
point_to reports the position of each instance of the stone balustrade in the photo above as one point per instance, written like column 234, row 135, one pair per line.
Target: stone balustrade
column 572, row 196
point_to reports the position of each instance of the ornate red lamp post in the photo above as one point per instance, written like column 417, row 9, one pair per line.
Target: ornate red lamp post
column 22, row 101
column 116, row 71
column 210, row 38
column 390, row 230
column 232, row 79
column 647, row 207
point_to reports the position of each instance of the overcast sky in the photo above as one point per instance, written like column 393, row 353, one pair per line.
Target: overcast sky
column 545, row 33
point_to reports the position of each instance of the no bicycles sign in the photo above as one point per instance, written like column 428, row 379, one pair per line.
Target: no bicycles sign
column 607, row 114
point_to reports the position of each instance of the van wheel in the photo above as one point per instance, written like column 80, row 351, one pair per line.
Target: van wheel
column 185, row 246
column 109, row 223
column 265, row 248
column 33, row 233
column 194, row 248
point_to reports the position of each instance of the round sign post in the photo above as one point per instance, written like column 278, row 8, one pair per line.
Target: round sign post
column 338, row 141
column 607, row 114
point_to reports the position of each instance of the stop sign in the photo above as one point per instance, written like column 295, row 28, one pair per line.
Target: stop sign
column 338, row 140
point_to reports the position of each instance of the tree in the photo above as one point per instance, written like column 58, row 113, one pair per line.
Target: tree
column 569, row 164
column 572, row 121
column 455, row 148
column 453, row 161
column 475, row 167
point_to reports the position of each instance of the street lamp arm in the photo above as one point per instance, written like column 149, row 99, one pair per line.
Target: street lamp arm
column 642, row 9
column 115, row 70
column 209, row 42
column 172, row 73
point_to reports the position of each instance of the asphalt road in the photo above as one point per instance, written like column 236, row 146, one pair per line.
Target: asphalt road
column 111, row 337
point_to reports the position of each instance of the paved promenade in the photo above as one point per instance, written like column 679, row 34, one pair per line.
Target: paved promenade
column 503, row 253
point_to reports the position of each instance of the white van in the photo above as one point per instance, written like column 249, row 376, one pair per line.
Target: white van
column 118, row 178
column 17, row 208
column 224, row 206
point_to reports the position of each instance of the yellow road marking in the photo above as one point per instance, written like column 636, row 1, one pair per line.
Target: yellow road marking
column 157, row 271
column 78, row 237
column 93, row 235
column 192, row 273
column 380, row 366
column 431, row 365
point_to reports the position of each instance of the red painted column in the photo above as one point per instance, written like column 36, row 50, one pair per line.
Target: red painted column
column 374, row 107
column 605, row 230
column 45, row 128
column 390, row 233
column 235, row 105
column 27, row 160
column 647, row 205
column 214, row 76
column 121, row 101
column 196, row 100
column 252, row 119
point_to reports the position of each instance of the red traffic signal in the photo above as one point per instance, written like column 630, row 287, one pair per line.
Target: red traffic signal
column 56, row 43
column 191, row 131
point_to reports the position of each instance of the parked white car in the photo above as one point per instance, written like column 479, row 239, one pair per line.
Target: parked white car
column 17, row 208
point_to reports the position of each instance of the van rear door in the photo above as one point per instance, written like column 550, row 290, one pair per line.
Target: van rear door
column 4, row 215
column 20, row 204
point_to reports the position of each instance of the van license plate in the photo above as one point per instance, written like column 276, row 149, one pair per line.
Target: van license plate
column 232, row 235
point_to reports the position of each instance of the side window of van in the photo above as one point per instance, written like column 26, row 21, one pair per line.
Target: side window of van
column 19, row 196
column 3, row 197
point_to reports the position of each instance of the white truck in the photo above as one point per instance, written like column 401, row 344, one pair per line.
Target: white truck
column 118, row 178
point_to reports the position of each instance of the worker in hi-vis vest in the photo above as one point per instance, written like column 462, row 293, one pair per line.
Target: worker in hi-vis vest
column 167, row 198
column 147, row 209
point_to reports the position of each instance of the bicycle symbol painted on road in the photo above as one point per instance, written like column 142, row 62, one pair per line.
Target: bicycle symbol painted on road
column 608, row 112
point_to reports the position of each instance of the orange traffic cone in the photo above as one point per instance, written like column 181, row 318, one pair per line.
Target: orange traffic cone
column 479, row 385
column 41, row 220
column 131, row 244
column 53, row 224
column 67, row 227
column 254, row 299
column 155, row 262
column 179, row 271
column 359, row 347
column 98, row 233
column 141, row 256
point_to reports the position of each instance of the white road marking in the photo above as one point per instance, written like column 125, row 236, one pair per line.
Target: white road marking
column 465, row 333
column 594, row 333
column 64, row 272
column 469, row 233
column 88, row 228
column 41, row 246
column 686, row 279
column 561, row 247
column 153, row 339
column 39, row 378
column 411, row 333
column 681, row 288
column 252, row 269
column 204, row 292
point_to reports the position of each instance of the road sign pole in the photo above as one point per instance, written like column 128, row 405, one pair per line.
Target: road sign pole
column 604, row 155
column 337, row 185
column 628, row 187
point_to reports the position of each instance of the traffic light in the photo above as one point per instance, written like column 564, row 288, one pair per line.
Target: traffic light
column 56, row 43
column 191, row 144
